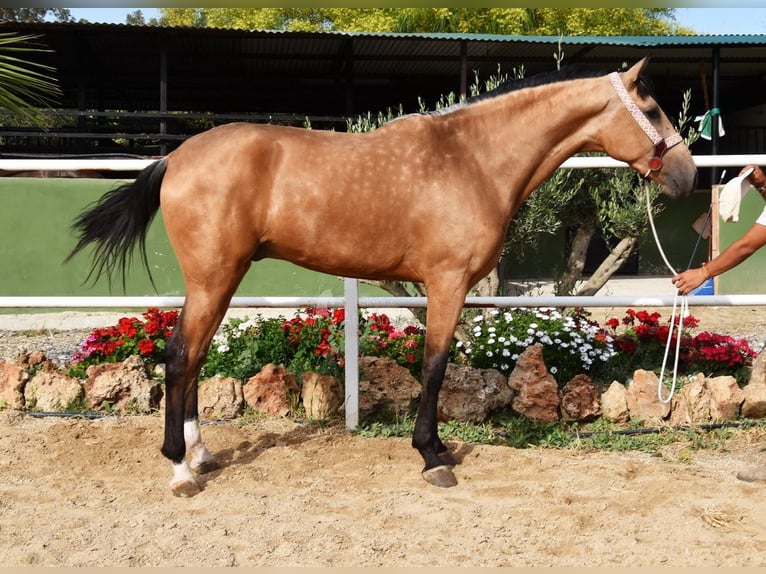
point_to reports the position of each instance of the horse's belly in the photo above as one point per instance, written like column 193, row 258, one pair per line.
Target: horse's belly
column 345, row 260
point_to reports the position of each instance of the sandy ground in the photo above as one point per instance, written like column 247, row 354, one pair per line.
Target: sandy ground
column 77, row 492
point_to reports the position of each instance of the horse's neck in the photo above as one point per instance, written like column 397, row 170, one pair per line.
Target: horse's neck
column 524, row 136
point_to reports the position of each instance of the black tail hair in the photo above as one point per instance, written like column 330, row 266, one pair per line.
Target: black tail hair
column 118, row 221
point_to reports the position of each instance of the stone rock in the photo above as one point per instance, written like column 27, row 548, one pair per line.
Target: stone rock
column 580, row 399
column 220, row 398
column 753, row 401
column 272, row 391
column 614, row 403
column 537, row 395
column 386, row 387
column 52, row 391
column 30, row 360
column 643, row 402
column 758, row 369
column 692, row 403
column 124, row 386
column 322, row 395
column 469, row 394
column 13, row 378
column 725, row 398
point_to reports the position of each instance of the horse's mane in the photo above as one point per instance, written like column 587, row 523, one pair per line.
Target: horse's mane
column 571, row 72
column 566, row 73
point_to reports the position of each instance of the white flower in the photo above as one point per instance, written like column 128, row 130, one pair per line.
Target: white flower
column 223, row 348
column 554, row 370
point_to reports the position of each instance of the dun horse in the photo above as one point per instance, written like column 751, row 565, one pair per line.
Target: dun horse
column 426, row 198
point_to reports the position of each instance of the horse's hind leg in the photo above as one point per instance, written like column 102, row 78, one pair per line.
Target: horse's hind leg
column 201, row 315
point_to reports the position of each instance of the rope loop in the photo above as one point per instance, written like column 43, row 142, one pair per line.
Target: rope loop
column 684, row 312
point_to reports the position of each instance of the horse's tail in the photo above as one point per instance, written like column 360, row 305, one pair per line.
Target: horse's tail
column 118, row 221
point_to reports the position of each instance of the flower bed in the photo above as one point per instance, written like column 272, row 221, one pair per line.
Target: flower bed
column 313, row 340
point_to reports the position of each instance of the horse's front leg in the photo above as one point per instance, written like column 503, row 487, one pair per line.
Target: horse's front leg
column 441, row 321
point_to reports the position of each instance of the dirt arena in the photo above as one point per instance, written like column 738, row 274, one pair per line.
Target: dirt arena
column 77, row 492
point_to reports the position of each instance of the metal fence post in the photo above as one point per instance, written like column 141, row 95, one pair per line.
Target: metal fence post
column 351, row 330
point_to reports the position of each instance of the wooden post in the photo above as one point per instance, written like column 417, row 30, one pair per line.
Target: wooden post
column 715, row 225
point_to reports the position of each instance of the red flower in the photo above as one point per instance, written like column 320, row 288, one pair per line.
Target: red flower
column 625, row 345
column 146, row 346
column 338, row 316
column 127, row 327
column 323, row 349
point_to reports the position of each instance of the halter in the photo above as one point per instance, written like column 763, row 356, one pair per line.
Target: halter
column 661, row 145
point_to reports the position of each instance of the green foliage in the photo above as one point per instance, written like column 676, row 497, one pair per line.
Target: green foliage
column 77, row 406
column 244, row 346
column 504, row 429
column 526, row 21
column 544, row 211
column 35, row 14
column 24, row 84
column 313, row 340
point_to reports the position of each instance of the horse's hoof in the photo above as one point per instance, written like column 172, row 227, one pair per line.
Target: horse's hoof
column 185, row 489
column 206, row 466
column 440, row 476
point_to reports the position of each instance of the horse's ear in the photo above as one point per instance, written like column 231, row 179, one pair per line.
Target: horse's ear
column 635, row 71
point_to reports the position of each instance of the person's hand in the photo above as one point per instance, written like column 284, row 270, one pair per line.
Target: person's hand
column 757, row 179
column 690, row 280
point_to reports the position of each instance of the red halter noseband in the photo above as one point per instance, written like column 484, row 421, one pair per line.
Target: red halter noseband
column 661, row 145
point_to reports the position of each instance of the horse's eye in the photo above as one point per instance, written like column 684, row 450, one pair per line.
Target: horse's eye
column 653, row 114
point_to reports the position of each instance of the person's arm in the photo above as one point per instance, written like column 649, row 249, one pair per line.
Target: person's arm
column 753, row 239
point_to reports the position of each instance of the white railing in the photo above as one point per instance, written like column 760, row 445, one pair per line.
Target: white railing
column 351, row 300
column 139, row 164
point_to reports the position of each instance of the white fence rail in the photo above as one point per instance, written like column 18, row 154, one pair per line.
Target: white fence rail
column 351, row 300
column 139, row 164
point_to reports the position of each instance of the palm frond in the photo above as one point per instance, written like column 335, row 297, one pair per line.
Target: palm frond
column 25, row 84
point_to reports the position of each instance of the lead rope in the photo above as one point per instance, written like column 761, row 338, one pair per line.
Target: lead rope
column 683, row 312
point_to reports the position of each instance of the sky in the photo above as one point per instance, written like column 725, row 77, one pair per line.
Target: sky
column 702, row 20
